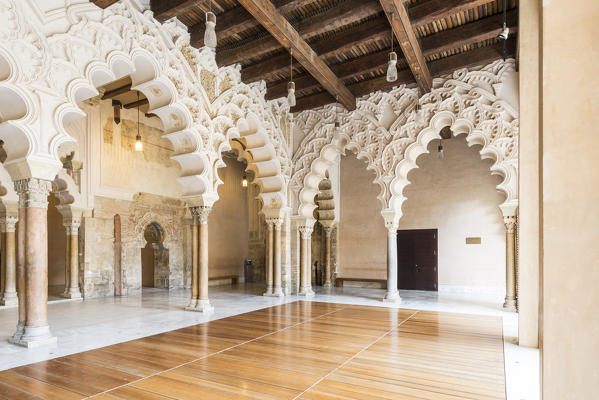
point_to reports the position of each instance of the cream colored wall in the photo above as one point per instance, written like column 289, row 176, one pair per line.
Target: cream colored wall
column 362, row 232
column 570, row 200
column 228, row 223
column 457, row 196
column 150, row 171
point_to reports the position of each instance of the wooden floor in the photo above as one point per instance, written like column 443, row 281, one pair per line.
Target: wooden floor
column 304, row 350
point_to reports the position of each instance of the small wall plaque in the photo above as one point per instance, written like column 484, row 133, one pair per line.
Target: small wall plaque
column 473, row 240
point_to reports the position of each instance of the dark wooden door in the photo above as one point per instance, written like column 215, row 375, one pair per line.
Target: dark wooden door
column 417, row 259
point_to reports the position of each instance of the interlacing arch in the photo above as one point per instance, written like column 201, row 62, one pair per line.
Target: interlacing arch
column 384, row 132
column 201, row 106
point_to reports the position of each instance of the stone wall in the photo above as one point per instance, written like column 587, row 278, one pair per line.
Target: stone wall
column 98, row 247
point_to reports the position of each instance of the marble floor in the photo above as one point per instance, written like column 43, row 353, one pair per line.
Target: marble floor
column 93, row 323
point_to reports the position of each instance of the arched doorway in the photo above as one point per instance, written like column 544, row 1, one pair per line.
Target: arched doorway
column 154, row 258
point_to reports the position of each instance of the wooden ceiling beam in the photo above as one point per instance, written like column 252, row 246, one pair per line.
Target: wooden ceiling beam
column 115, row 92
column 345, row 70
column 347, row 13
column 326, row 48
column 137, row 103
column 402, row 27
column 479, row 56
column 104, row 3
column 167, row 9
column 465, row 35
column 376, row 29
column 237, row 20
column 281, row 29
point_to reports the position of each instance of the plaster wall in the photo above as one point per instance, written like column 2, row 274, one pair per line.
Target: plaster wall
column 529, row 178
column 570, row 200
column 228, row 223
column 362, row 232
column 457, row 196
column 150, row 171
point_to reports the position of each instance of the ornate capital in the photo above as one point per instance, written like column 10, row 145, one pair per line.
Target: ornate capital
column 306, row 231
column 203, row 213
column 8, row 223
column 328, row 230
column 510, row 223
column 72, row 225
column 33, row 192
column 276, row 222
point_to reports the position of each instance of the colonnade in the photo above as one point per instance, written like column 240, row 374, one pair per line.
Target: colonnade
column 25, row 260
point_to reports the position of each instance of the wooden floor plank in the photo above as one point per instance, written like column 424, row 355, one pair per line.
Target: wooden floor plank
column 319, row 351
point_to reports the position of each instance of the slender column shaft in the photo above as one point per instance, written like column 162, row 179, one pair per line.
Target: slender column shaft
column 195, row 260
column 277, row 289
column 203, row 294
column 306, row 260
column 510, row 264
column 74, row 275
column 21, row 271
column 269, row 258
column 67, row 265
column 9, row 263
column 392, row 294
column 327, row 256
column 2, row 264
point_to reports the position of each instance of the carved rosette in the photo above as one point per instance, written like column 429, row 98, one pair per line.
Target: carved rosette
column 33, row 192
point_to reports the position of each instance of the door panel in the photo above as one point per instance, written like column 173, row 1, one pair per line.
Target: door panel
column 417, row 259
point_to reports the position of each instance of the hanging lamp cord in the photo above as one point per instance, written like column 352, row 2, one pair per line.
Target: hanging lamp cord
column 137, row 113
column 291, row 64
column 504, row 26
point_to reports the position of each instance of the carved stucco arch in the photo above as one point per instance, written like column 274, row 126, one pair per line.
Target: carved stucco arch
column 170, row 228
column 100, row 46
column 467, row 101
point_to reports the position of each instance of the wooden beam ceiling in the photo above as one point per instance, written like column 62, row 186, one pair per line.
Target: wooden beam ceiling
column 479, row 56
column 115, row 92
column 281, row 29
column 237, row 20
column 166, row 9
column 459, row 37
column 104, row 3
column 402, row 28
column 334, row 18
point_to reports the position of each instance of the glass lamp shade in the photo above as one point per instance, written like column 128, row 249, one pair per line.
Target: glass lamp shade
column 244, row 182
column 210, row 33
column 138, row 144
column 440, row 152
column 291, row 94
column 392, row 67
column 419, row 115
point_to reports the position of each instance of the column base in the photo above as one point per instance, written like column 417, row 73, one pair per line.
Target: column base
column 392, row 297
column 72, row 294
column 268, row 291
column 200, row 306
column 34, row 336
column 327, row 285
column 509, row 305
column 306, row 291
column 9, row 299
column 276, row 292
column 17, row 335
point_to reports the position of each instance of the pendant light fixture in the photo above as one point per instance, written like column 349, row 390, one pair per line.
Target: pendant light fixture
column 445, row 133
column 291, row 84
column 392, row 67
column 337, row 114
column 138, row 144
column 210, row 31
column 440, row 152
column 505, row 32
column 244, row 180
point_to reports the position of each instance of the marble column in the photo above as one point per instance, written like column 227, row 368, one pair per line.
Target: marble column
column 510, row 263
column 72, row 225
column 33, row 194
column 203, row 303
column 305, row 261
column 67, row 266
column 277, row 288
column 392, row 294
column 269, row 258
column 327, row 256
column 194, row 259
column 20, row 272
column 9, row 295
